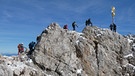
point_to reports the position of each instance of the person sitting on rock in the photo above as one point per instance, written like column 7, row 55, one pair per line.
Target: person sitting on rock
column 65, row 27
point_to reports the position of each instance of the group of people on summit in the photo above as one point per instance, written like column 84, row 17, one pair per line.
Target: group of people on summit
column 113, row 27
column 89, row 23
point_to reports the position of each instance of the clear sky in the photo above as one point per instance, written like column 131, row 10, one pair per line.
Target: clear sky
column 22, row 20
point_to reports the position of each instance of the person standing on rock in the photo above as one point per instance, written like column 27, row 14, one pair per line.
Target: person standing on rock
column 111, row 27
column 89, row 22
column 114, row 27
column 113, row 14
column 86, row 22
column 73, row 25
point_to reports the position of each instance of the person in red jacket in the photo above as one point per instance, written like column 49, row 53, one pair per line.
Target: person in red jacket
column 20, row 48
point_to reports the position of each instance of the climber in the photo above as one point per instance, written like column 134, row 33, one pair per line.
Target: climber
column 111, row 27
column 86, row 22
column 31, row 47
column 38, row 38
column 114, row 27
column 74, row 24
column 89, row 22
column 20, row 48
column 65, row 27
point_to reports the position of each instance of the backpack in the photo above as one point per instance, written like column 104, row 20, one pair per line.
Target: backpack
column 32, row 44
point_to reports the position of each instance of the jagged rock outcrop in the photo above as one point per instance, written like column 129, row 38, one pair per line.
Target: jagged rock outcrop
column 12, row 66
column 129, row 68
column 55, row 53
column 95, row 52
column 61, row 52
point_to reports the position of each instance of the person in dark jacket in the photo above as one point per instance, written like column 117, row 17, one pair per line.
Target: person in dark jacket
column 86, row 22
column 111, row 27
column 31, row 47
column 74, row 24
column 65, row 27
column 38, row 38
column 89, row 22
column 114, row 27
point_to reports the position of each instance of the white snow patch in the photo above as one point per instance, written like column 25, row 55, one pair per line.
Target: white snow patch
column 72, row 31
column 79, row 71
column 77, row 42
column 133, row 45
column 46, row 28
column 49, row 27
column 5, row 56
column 82, row 37
column 17, row 65
column 125, row 65
column 129, row 55
column 130, row 41
column 104, row 29
column 80, row 33
column 29, row 60
column 132, row 66
column 98, row 34
column 8, row 62
column 127, row 74
column 129, row 65
column 48, row 75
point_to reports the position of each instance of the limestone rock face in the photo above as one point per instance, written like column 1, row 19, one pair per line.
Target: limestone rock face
column 61, row 52
column 55, row 52
column 110, row 48
column 94, row 52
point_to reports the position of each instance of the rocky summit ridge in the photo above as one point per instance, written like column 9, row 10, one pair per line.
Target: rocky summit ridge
column 60, row 52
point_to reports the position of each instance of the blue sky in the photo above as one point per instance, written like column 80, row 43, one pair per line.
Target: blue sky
column 22, row 20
